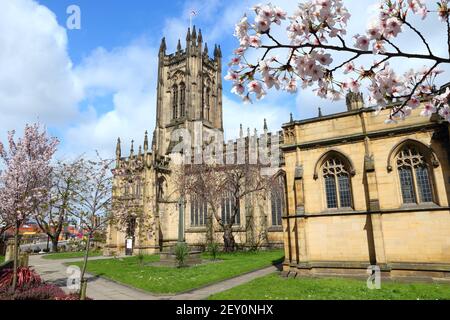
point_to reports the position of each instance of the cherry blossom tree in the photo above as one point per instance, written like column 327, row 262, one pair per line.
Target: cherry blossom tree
column 316, row 32
column 26, row 178
column 54, row 214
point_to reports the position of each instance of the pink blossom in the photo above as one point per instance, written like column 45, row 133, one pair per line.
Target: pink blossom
column 233, row 76
column 352, row 85
column 362, row 42
column 235, row 61
column 393, row 27
column 238, row 88
column 239, row 51
column 428, row 110
column 349, row 67
column 324, row 59
column 444, row 112
column 255, row 41
column 414, row 103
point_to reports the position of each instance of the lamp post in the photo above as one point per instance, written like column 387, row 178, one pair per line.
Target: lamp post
column 181, row 203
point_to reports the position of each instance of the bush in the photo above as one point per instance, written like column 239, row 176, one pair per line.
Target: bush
column 44, row 292
column 140, row 258
column 181, row 252
column 213, row 249
column 30, row 287
column 26, row 278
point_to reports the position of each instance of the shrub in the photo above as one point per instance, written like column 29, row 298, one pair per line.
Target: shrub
column 213, row 249
column 44, row 292
column 181, row 252
column 26, row 278
column 140, row 258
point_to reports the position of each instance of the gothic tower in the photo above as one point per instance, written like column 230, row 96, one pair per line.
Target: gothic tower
column 189, row 93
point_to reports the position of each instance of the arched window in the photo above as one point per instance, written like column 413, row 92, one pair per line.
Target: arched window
column 182, row 100
column 206, row 94
column 337, row 184
column 414, row 176
column 199, row 212
column 228, row 206
column 278, row 201
column 208, row 103
column 161, row 188
column 126, row 189
column 175, row 102
column 138, row 189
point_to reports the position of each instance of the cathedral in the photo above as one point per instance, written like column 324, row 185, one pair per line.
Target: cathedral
column 357, row 192
column 189, row 99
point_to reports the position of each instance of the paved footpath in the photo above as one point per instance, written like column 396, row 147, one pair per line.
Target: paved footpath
column 54, row 271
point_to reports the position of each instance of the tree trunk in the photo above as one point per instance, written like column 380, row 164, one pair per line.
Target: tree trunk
column 16, row 258
column 55, row 241
column 85, row 262
column 228, row 239
column 209, row 229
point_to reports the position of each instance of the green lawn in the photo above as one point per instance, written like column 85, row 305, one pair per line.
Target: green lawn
column 70, row 255
column 166, row 280
column 274, row 287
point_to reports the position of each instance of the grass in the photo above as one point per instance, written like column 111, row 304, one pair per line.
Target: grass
column 2, row 259
column 71, row 255
column 274, row 287
column 166, row 280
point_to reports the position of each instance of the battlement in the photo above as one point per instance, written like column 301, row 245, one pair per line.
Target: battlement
column 194, row 47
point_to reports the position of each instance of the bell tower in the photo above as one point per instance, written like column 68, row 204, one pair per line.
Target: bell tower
column 189, row 92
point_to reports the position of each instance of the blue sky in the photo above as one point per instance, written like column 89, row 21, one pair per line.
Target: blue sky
column 92, row 85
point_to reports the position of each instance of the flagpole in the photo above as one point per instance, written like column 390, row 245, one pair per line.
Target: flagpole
column 191, row 15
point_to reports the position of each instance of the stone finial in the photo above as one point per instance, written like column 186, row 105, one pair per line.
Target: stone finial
column 291, row 118
column 132, row 149
column 248, row 132
column 320, row 113
column 163, row 46
column 146, row 142
column 118, row 149
column 354, row 101
column 179, row 46
column 265, row 126
column 140, row 152
column 194, row 34
column 219, row 52
column 205, row 51
column 200, row 36
column 188, row 36
column 241, row 132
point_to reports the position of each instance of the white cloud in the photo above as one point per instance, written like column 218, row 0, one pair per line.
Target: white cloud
column 128, row 75
column 36, row 80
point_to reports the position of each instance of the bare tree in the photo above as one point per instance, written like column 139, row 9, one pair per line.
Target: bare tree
column 54, row 215
column 92, row 203
column 215, row 184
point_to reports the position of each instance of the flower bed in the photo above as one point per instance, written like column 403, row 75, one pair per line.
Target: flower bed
column 30, row 287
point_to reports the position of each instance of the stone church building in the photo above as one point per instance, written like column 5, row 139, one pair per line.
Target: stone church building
column 189, row 99
column 357, row 192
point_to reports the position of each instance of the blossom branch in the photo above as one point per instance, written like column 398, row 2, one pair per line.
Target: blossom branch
column 311, row 31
